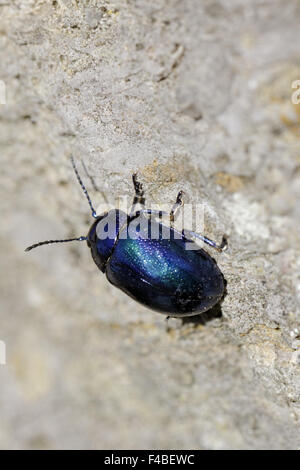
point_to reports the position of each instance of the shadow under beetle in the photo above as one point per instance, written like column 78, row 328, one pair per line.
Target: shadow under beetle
column 160, row 272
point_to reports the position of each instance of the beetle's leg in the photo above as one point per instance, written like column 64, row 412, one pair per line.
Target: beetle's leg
column 139, row 197
column 179, row 203
column 152, row 212
column 171, row 322
column 222, row 247
column 167, row 324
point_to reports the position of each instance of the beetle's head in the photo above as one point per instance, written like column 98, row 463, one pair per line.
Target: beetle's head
column 103, row 235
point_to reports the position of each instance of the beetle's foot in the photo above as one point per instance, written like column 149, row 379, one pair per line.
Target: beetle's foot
column 172, row 323
column 139, row 196
column 176, row 206
column 224, row 244
column 138, row 187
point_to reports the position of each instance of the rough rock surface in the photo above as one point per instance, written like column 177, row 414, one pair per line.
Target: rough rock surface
column 196, row 95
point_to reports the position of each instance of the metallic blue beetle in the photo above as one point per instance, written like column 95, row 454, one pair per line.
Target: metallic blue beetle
column 159, row 272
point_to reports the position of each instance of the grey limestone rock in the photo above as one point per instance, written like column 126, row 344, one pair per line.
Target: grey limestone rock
column 195, row 95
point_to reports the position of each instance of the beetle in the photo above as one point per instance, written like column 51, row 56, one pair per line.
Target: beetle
column 158, row 272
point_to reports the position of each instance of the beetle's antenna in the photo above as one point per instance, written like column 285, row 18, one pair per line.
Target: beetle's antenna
column 94, row 214
column 48, row 242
